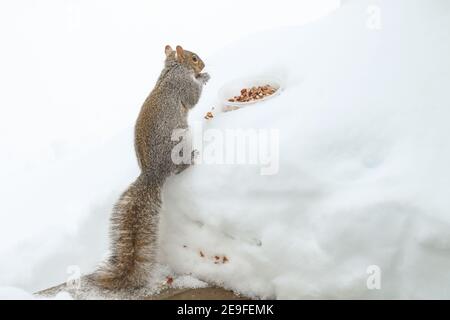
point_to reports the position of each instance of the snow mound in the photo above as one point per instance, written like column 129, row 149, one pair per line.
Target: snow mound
column 363, row 176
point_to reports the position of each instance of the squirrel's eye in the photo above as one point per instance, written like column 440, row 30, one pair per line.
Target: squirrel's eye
column 194, row 58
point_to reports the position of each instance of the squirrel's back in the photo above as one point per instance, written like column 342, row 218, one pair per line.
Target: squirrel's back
column 166, row 108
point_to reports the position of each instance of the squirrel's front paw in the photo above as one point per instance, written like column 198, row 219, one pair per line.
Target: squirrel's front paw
column 204, row 77
column 194, row 155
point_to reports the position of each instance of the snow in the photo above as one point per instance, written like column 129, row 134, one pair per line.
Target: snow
column 363, row 163
column 362, row 174
column 12, row 293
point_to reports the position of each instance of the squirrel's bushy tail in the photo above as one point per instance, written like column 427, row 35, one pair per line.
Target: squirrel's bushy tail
column 134, row 236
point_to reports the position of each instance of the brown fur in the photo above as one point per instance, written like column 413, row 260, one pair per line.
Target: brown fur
column 134, row 222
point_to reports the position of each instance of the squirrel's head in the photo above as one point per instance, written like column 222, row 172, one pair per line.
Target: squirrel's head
column 186, row 58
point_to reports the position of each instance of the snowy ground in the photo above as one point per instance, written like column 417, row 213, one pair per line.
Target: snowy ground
column 362, row 180
column 363, row 163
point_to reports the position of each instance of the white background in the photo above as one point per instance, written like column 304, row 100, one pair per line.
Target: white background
column 73, row 71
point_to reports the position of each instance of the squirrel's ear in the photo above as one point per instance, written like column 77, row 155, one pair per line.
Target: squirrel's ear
column 180, row 54
column 168, row 50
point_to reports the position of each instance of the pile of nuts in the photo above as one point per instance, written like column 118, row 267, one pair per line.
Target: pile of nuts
column 247, row 95
column 254, row 93
column 209, row 115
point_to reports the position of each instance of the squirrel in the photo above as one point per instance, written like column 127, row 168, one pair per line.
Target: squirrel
column 135, row 217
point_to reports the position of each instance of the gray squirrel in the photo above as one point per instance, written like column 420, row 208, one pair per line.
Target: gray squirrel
column 135, row 217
